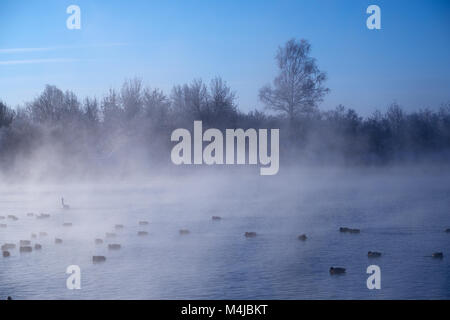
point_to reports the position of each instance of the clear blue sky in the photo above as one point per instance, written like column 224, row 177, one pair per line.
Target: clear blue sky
column 172, row 42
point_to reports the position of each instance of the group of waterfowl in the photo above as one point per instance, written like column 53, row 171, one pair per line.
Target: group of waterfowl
column 115, row 246
column 25, row 245
column 370, row 254
column 340, row 270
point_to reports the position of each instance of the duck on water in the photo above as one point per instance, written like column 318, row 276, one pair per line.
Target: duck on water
column 337, row 270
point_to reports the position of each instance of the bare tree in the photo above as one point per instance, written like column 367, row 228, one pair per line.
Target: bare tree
column 54, row 106
column 91, row 111
column 156, row 105
column 6, row 115
column 71, row 108
column 131, row 97
column 299, row 85
column 221, row 104
column 111, row 110
column 47, row 107
column 222, row 98
column 190, row 100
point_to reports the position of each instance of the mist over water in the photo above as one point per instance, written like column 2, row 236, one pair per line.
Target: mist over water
column 402, row 212
column 179, row 159
column 111, row 159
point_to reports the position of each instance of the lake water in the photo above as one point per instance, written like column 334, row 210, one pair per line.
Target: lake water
column 401, row 213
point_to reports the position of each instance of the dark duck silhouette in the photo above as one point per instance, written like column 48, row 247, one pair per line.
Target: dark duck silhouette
column 98, row 259
column 302, row 237
column 337, row 270
column 373, row 254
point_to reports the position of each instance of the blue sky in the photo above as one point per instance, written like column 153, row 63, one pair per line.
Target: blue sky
column 173, row 42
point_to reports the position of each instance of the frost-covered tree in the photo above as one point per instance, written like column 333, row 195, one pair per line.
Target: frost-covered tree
column 299, row 85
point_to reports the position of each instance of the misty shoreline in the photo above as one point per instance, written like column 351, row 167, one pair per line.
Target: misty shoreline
column 239, row 173
column 128, row 130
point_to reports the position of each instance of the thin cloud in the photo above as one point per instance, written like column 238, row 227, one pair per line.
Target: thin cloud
column 36, row 61
column 24, row 50
column 19, row 50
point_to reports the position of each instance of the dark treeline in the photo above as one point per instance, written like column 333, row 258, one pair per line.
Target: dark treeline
column 58, row 132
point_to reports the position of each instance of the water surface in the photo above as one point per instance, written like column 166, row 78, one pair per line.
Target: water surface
column 402, row 214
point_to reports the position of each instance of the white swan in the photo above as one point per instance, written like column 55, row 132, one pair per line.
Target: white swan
column 64, row 206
